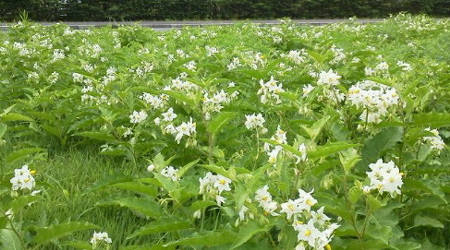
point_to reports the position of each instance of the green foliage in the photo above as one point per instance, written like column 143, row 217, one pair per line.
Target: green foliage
column 190, row 139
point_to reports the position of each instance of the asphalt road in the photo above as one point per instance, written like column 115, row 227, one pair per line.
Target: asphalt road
column 166, row 25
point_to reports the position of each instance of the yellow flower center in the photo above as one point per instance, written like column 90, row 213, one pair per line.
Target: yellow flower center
column 309, row 202
column 222, row 182
column 291, row 207
column 307, row 233
column 26, row 180
column 328, row 247
column 33, row 172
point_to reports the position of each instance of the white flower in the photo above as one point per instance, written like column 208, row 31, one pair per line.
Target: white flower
column 374, row 98
column 154, row 101
column 307, row 232
column 328, row 78
column 265, row 200
column 220, row 200
column 382, row 66
column 290, row 208
column 170, row 172
column 100, row 237
column 242, row 212
column 307, row 89
column 254, row 121
column 22, row 179
column 214, row 184
column 304, row 156
column 191, row 65
column 138, row 117
column 269, row 91
column 169, row 115
column 306, row 199
column 405, row 66
column 385, row 177
column 435, row 141
column 197, row 214
column 186, row 128
column 319, row 217
column 150, row 168
column 222, row 183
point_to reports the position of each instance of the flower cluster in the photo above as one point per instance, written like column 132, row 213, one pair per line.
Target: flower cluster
column 170, row 172
column 269, row 91
column 184, row 129
column 215, row 185
column 297, row 56
column 215, row 103
column 272, row 152
column 385, row 177
column 435, row 141
column 317, row 232
column 265, row 201
column 254, row 121
column 23, row 179
column 328, row 78
column 374, row 98
column 138, row 117
column 155, row 102
column 100, row 238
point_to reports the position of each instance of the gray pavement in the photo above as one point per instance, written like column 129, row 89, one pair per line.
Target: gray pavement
column 166, row 25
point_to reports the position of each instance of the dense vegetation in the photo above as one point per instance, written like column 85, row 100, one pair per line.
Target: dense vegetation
column 117, row 10
column 282, row 137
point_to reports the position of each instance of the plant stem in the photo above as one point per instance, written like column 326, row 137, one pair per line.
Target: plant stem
column 14, row 229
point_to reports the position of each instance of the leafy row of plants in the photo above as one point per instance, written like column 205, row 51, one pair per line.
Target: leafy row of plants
column 232, row 137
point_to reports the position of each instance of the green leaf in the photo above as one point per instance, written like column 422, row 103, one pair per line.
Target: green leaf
column 381, row 234
column 423, row 185
column 138, row 187
column 168, row 184
column 18, row 154
column 9, row 240
column 211, row 238
column 180, row 97
column 374, row 203
column 96, row 135
column 316, row 128
column 426, row 221
column 217, row 170
column 57, row 231
column 161, row 226
column 108, row 181
column 246, row 232
column 202, row 204
column 434, row 120
column 77, row 244
column 384, row 140
column 330, row 148
column 219, row 121
column 3, row 128
column 12, row 117
column 146, row 247
column 20, row 202
column 145, row 206
column 354, row 194
column 348, row 159
column 188, row 166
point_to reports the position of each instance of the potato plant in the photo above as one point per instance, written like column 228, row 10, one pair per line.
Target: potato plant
column 237, row 137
